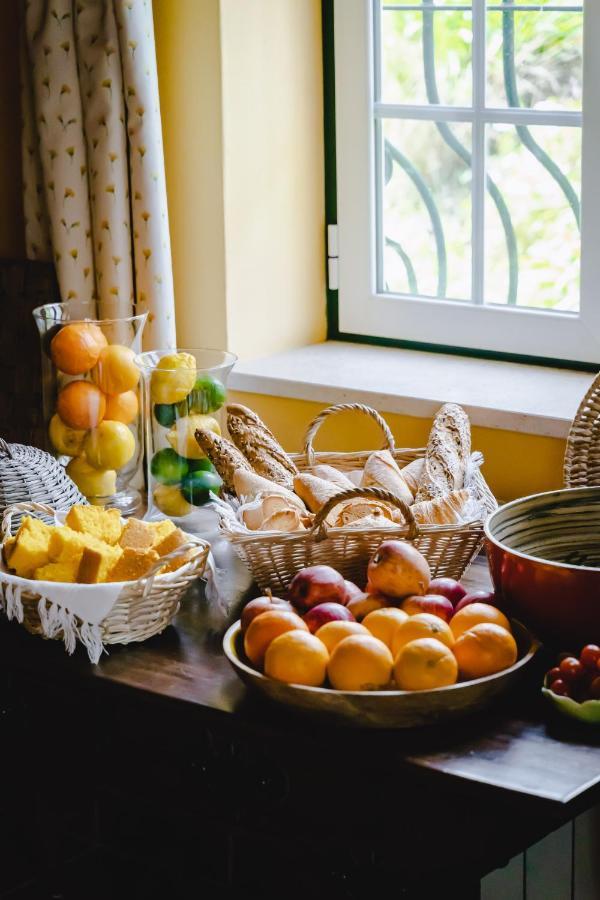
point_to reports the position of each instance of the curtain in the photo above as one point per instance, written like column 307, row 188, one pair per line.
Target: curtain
column 93, row 169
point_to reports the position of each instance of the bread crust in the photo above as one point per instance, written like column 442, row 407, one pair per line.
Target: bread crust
column 448, row 452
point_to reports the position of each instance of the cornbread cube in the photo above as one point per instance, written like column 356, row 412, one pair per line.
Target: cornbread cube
column 67, row 544
column 30, row 550
column 95, row 564
column 161, row 530
column 8, row 547
column 137, row 535
column 132, row 564
column 169, row 543
column 104, row 524
column 58, row 571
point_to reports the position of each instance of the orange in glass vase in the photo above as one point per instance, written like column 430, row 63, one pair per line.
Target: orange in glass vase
column 76, row 347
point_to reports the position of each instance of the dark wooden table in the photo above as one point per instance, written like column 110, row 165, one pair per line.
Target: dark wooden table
column 160, row 760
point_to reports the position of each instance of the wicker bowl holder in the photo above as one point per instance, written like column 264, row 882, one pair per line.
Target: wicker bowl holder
column 29, row 475
column 144, row 607
column 582, row 457
column 275, row 557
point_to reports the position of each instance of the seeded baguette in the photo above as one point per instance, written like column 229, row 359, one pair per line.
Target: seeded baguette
column 225, row 456
column 259, row 445
column 448, row 452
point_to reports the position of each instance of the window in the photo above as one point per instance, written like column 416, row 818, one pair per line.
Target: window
column 468, row 181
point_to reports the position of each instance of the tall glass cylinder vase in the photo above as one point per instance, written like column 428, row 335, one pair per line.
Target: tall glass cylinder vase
column 91, row 398
column 184, row 390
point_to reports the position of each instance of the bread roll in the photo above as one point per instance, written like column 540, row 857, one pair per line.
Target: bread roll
column 315, row 492
column 382, row 471
column 359, row 509
column 448, row 510
column 412, row 474
column 448, row 452
column 329, row 473
column 283, row 520
column 249, row 486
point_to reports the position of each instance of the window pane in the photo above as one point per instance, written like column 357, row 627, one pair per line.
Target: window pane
column 426, row 209
column 537, row 194
column 438, row 42
column 535, row 59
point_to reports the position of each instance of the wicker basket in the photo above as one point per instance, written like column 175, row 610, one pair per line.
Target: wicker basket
column 144, row 607
column 274, row 558
column 582, row 457
column 31, row 475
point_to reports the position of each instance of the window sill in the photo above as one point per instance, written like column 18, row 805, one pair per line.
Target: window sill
column 508, row 396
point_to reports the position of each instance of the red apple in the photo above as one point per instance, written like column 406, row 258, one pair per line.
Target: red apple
column 447, row 587
column 352, row 591
column 327, row 612
column 397, row 569
column 476, row 597
column 429, row 603
column 260, row 605
column 317, row 584
column 362, row 605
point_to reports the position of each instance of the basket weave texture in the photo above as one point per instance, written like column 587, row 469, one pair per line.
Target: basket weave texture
column 582, row 457
column 274, row 558
column 29, row 475
column 144, row 607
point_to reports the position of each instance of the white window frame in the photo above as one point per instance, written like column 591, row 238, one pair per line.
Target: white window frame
column 362, row 310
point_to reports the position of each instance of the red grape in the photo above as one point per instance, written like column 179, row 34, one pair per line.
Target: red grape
column 552, row 675
column 570, row 669
column 590, row 656
column 560, row 687
column 594, row 689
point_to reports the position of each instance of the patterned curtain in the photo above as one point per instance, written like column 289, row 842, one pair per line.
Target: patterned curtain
column 93, row 169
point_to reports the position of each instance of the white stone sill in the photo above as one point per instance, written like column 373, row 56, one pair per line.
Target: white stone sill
column 508, row 396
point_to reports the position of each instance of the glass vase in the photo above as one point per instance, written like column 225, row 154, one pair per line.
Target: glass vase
column 183, row 390
column 91, row 400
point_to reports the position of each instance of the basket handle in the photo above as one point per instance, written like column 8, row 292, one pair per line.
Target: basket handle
column 339, row 408
column 197, row 544
column 10, row 511
column 319, row 528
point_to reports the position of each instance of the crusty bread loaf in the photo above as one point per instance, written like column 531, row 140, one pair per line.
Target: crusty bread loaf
column 446, row 510
column 412, row 473
column 259, row 445
column 249, row 486
column 382, row 471
column 360, row 509
column 315, row 492
column 225, row 456
column 448, row 452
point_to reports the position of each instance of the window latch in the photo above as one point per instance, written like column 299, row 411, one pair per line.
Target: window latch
column 332, row 258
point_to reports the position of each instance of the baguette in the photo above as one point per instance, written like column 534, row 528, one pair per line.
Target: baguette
column 448, row 452
column 225, row 456
column 259, row 445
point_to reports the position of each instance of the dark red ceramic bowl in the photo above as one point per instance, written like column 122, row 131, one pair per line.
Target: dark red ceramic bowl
column 544, row 554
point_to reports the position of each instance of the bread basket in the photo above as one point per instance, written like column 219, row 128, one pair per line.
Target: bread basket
column 274, row 557
column 582, row 457
column 140, row 609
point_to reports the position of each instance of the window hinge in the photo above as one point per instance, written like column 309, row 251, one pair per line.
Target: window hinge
column 332, row 258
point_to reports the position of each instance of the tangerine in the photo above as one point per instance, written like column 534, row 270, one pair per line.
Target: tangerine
column 333, row 632
column 423, row 625
column 382, row 623
column 297, row 657
column 81, row 405
column 474, row 614
column 122, row 407
column 425, row 664
column 116, row 370
column 485, row 649
column 76, row 347
column 265, row 628
column 360, row 662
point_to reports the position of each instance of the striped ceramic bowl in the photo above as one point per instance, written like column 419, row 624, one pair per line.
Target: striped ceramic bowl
column 544, row 554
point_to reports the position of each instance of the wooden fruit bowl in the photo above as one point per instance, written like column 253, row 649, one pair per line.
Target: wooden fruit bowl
column 385, row 709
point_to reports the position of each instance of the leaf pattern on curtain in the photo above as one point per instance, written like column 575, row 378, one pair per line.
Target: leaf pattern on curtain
column 93, row 168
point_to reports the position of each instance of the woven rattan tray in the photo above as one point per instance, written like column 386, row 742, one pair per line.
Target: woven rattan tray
column 143, row 608
column 275, row 557
column 582, row 457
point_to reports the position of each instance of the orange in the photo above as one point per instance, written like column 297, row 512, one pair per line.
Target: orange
column 116, row 370
column 122, row 407
column 76, row 348
column 423, row 625
column 333, row 632
column 265, row 628
column 81, row 405
column 360, row 663
column 363, row 605
column 425, row 664
column 297, row 657
column 484, row 650
column 474, row 614
column 382, row 623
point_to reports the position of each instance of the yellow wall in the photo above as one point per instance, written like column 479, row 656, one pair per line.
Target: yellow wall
column 12, row 237
column 241, row 103
column 515, row 464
